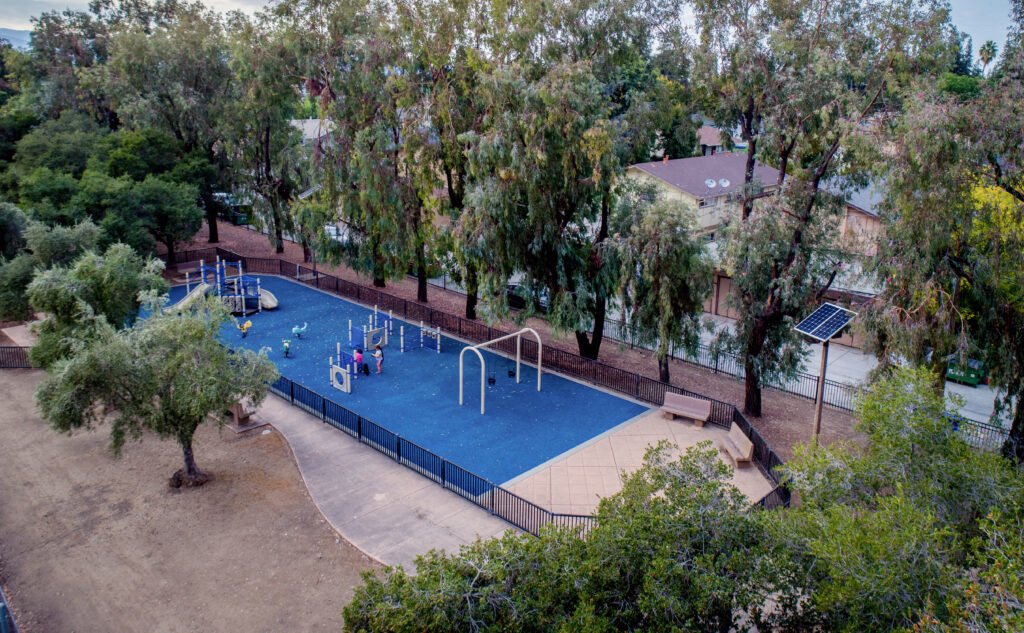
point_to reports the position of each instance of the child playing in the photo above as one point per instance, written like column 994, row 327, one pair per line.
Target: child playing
column 378, row 353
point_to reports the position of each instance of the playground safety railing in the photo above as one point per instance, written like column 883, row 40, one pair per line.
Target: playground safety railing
column 512, row 508
column 7, row 623
column 836, row 394
column 14, row 358
column 628, row 383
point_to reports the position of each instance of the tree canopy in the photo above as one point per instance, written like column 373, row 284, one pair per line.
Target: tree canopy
column 164, row 375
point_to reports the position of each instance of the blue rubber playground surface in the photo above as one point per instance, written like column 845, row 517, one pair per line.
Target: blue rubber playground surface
column 417, row 395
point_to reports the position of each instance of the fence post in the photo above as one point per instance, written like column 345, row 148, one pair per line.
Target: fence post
column 398, row 448
column 323, row 409
column 291, row 391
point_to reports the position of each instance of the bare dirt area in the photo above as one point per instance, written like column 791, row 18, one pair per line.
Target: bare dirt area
column 787, row 419
column 89, row 543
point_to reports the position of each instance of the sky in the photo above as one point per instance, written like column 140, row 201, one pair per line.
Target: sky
column 981, row 19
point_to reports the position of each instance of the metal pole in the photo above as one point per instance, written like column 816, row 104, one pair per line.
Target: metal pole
column 519, row 340
column 401, row 335
column 821, row 392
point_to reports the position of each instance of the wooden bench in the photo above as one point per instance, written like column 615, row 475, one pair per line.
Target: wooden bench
column 240, row 412
column 738, row 446
column 686, row 407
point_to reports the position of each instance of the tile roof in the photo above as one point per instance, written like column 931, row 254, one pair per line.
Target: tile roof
column 689, row 174
column 709, row 135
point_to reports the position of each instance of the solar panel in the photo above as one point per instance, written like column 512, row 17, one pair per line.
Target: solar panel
column 825, row 322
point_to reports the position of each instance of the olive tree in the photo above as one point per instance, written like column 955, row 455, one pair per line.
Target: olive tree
column 167, row 374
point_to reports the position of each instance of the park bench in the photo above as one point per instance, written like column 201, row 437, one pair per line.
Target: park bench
column 240, row 412
column 738, row 446
column 694, row 409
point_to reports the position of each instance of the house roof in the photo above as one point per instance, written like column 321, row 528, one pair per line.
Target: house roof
column 709, row 135
column 689, row 174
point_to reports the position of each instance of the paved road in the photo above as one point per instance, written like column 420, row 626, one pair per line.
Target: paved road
column 851, row 366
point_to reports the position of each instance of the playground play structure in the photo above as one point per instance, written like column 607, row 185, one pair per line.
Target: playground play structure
column 483, row 370
column 377, row 331
column 240, row 292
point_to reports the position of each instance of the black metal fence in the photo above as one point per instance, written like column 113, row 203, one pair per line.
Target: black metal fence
column 7, row 623
column 500, row 502
column 14, row 358
column 979, row 434
column 836, row 394
column 625, row 382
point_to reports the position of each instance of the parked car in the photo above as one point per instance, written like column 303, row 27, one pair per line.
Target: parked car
column 518, row 295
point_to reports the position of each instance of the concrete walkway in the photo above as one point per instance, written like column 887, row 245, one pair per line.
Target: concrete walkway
column 386, row 510
column 574, row 483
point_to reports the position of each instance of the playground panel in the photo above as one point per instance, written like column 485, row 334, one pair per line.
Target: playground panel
column 416, row 396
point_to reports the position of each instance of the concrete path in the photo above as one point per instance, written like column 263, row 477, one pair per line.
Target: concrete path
column 386, row 510
column 574, row 483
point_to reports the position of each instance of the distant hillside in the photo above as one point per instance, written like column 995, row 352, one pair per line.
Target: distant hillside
column 18, row 39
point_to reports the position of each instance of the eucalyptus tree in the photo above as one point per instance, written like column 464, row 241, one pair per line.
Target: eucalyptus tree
column 666, row 274
column 443, row 68
column 167, row 374
column 265, row 148
column 354, row 68
column 799, row 81
column 951, row 265
column 543, row 175
column 175, row 76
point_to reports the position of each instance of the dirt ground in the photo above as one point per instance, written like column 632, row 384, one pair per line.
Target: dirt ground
column 787, row 419
column 93, row 544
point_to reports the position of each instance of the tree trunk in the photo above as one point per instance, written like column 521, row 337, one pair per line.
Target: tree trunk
column 378, row 281
column 471, row 290
column 752, row 377
column 278, row 233
column 663, row 368
column 939, row 367
column 211, row 219
column 421, row 276
column 751, row 389
column 170, row 253
column 1013, row 447
column 307, row 253
column 592, row 347
column 190, row 476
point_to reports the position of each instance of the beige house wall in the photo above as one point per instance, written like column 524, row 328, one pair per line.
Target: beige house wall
column 860, row 232
column 707, row 217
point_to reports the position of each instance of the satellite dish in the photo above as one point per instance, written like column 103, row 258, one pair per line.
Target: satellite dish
column 724, row 182
column 710, row 183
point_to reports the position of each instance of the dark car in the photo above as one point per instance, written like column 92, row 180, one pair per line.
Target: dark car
column 518, row 295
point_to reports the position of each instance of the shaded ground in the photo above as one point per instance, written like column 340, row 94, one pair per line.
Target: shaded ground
column 787, row 419
column 88, row 543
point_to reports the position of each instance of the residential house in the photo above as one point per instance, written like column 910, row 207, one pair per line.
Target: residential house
column 710, row 185
column 709, row 140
